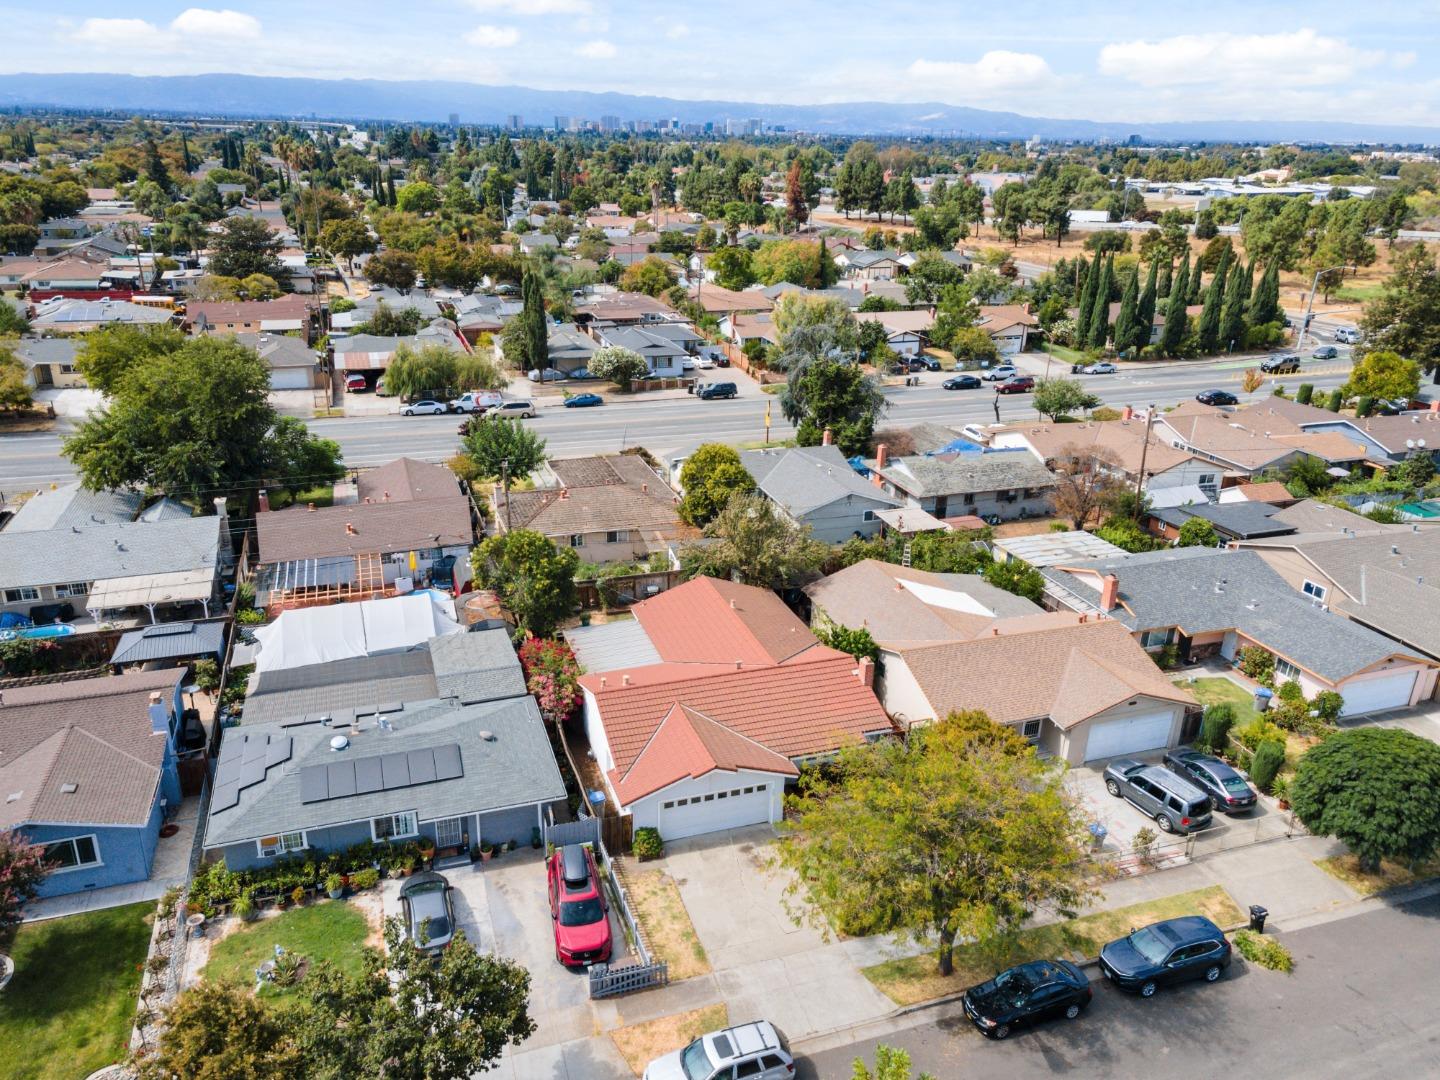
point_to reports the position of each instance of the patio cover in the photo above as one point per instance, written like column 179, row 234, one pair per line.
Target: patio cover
column 318, row 635
column 908, row 520
column 181, row 586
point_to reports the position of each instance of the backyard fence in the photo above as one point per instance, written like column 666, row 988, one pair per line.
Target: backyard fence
column 611, row 980
column 622, row 590
column 584, row 831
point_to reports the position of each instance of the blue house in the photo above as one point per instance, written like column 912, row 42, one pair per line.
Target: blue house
column 88, row 769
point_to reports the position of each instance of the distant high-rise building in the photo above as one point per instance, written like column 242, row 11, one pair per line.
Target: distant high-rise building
column 709, row 127
column 514, row 122
column 609, row 123
column 562, row 123
column 454, row 119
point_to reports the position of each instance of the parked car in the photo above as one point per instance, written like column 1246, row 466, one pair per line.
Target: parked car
column 1216, row 397
column 1281, row 364
column 1176, row 805
column 476, row 401
column 1001, row 373
column 924, row 363
column 429, row 914
column 961, row 382
column 577, row 907
column 550, row 374
column 715, row 390
column 511, row 408
column 1228, row 791
column 1027, row 993
column 976, row 432
column 1103, row 368
column 581, row 373
column 1348, row 335
column 722, row 360
column 687, row 364
column 1325, row 352
column 356, row 384
column 757, row 1051
column 425, row 407
column 704, row 363
column 1164, row 953
column 583, row 401
column 1021, row 384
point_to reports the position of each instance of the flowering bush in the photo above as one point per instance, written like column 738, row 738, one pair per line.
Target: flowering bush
column 552, row 674
column 22, row 868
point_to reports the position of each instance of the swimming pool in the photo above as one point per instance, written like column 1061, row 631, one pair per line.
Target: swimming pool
column 50, row 630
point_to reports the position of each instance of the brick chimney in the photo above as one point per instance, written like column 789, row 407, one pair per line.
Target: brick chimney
column 350, row 529
column 866, row 671
column 1127, row 413
column 263, row 501
column 828, row 438
column 564, row 493
column 1109, row 592
column 882, row 456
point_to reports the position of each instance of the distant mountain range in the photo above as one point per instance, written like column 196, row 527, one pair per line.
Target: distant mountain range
column 375, row 99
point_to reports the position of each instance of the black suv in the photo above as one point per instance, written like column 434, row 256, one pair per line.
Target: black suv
column 1025, row 994
column 1282, row 364
column 1228, row 791
column 1177, row 805
column 1190, row 947
column 714, row 390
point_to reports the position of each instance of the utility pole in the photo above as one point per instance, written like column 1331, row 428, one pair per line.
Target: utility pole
column 505, row 488
column 1144, row 450
column 1310, row 303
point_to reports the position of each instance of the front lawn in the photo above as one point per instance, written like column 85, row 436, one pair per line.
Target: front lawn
column 640, row 1044
column 1065, row 353
column 655, row 898
column 71, row 1005
column 1218, row 690
column 331, row 930
column 913, row 979
column 1391, row 875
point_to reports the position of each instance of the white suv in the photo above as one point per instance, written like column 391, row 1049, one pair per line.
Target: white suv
column 754, row 1051
column 1348, row 335
column 511, row 408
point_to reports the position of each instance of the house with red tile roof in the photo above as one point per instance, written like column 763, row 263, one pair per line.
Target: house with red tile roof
column 702, row 709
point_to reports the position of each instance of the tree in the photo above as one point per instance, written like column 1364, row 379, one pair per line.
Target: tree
column 108, row 354
column 651, row 276
column 1018, row 577
column 345, row 238
column 13, row 320
column 1060, row 397
column 797, row 205
column 1172, row 337
column 1372, row 789
column 753, row 542
column 1084, row 481
column 503, row 448
column 823, row 394
column 621, row 366
column 1085, row 307
column 1145, row 310
column 959, row 831
column 245, row 246
column 534, row 579
column 295, row 459
column 1383, row 374
column 1231, row 333
column 1405, row 317
column 1265, row 302
column 1130, row 335
column 1104, row 241
column 732, row 267
column 930, row 273
column 395, row 269
column 709, row 477
column 220, row 1031
column 858, row 643
column 15, row 390
column 534, row 325
column 427, row 371
column 971, row 343
column 22, row 869
column 1198, row 532
column 417, row 197
column 890, row 1064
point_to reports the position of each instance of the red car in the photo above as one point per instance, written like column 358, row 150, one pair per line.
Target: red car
column 1021, row 384
column 578, row 908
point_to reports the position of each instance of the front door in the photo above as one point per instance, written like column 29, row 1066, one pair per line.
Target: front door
column 447, row 832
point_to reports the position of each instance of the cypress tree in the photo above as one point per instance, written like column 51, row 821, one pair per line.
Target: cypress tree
column 1145, row 316
column 1193, row 295
column 1232, row 314
column 1086, row 303
column 1249, row 282
column 1210, row 317
column 1175, row 324
column 1127, row 323
column 1167, row 281
column 390, row 187
column 1100, row 315
column 537, row 351
column 1265, row 303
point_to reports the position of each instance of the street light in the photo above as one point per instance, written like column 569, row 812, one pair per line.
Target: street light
column 1310, row 303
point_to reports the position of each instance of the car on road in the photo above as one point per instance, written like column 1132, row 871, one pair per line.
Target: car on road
column 1228, row 791
column 1348, row 335
column 356, row 384
column 427, row 910
column 425, row 408
column 1280, row 364
column 716, row 390
column 1001, row 373
column 1177, row 805
column 510, row 408
column 1216, row 397
column 476, row 401
column 1102, row 368
column 757, row 1051
column 549, row 374
column 583, row 401
column 1165, row 953
column 1325, row 352
column 1020, row 384
column 577, row 907
column 961, row 382
column 1025, row 994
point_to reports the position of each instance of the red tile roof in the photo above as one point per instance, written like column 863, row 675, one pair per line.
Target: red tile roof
column 688, row 744
column 709, row 621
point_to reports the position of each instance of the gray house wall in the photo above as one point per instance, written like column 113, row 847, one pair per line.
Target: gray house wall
column 836, row 522
column 984, row 502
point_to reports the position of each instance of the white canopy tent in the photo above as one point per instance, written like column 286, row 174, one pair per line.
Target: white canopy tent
column 318, row 635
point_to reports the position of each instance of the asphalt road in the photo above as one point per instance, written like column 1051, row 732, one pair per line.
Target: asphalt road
column 667, row 425
column 1360, row 1003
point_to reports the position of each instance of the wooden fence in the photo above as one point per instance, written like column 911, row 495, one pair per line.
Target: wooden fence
column 623, row 590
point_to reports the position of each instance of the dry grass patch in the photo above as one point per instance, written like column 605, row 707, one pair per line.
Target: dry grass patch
column 913, row 979
column 640, row 1044
column 655, row 900
column 1346, row 868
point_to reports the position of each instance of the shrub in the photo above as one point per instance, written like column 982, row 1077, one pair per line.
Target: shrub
column 297, row 894
column 334, row 883
column 1290, row 714
column 1364, row 406
column 1328, row 704
column 1304, row 393
column 365, row 879
column 1257, row 731
column 244, row 906
column 1215, row 728
column 1105, row 413
column 1269, row 759
column 1290, row 691
column 1263, row 950
column 1168, row 657
column 1332, row 403
column 1258, row 664
column 647, row 844
column 1143, row 844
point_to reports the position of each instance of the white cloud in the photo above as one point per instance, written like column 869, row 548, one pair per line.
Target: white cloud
column 121, row 32
column 191, row 26
column 998, row 71
column 534, row 7
column 493, row 37
column 676, row 31
column 1258, row 61
column 203, row 22
column 597, row 50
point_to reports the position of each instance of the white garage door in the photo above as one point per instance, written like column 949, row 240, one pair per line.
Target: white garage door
column 743, row 804
column 1150, row 731
column 1369, row 695
column 296, row 378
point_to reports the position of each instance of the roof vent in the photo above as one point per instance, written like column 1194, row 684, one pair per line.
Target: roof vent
column 14, row 796
column 488, row 736
column 732, row 604
column 69, row 789
column 339, row 742
column 624, row 680
column 350, row 528
column 1394, row 549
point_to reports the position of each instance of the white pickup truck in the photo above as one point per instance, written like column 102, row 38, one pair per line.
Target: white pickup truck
column 478, row 401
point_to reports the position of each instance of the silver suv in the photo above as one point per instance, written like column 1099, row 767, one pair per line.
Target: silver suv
column 754, row 1051
column 511, row 408
column 1177, row 805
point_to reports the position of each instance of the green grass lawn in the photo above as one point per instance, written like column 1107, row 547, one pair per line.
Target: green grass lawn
column 1217, row 691
column 1064, row 352
column 331, row 930
column 913, row 979
column 1361, row 293
column 70, row 1007
column 323, row 495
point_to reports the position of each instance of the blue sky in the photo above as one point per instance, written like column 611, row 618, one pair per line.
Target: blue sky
column 1138, row 61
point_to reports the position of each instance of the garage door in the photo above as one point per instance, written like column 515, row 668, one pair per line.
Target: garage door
column 296, row 378
column 744, row 804
column 1386, row 692
column 1110, row 738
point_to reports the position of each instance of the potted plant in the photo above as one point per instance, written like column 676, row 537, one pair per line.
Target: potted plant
column 475, row 853
column 243, row 907
column 487, row 849
column 427, row 852
column 297, row 894
column 335, row 886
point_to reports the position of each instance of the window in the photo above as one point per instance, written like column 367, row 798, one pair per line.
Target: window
column 617, row 536
column 21, row 595
column 282, row 844
column 1154, row 639
column 74, row 588
column 577, row 540
column 1286, row 670
column 969, row 500
column 1317, row 591
column 709, row 798
column 723, row 795
column 869, row 515
column 747, row 1068
column 395, row 826
column 72, row 853
column 669, row 805
column 1031, row 729
column 1206, row 479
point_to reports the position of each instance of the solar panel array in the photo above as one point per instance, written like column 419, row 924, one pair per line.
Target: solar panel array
column 380, row 772
column 244, row 761
column 169, row 629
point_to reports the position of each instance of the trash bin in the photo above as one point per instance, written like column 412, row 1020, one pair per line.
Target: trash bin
column 1098, row 833
column 1262, row 699
column 1257, row 918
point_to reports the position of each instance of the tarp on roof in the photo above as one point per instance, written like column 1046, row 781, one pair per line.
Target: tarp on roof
column 319, row 635
column 128, row 592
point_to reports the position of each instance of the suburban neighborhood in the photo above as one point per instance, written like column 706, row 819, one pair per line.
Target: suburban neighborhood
column 713, row 590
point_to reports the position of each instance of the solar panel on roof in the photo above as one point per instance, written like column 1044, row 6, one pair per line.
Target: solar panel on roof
column 224, row 797
column 422, row 765
column 340, row 775
column 228, row 771
column 278, row 751
column 169, row 629
column 252, row 771
column 255, row 748
column 314, row 784
column 367, row 776
column 395, row 769
column 447, row 762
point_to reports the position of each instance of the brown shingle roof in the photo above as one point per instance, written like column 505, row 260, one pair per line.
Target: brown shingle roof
column 300, row 533
column 406, row 480
column 601, row 494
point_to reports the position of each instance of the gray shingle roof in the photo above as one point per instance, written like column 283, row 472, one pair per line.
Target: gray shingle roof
column 131, row 549
column 71, row 506
column 476, row 666
column 514, row 767
column 803, row 479
column 967, row 474
column 1205, row 589
column 170, row 641
column 61, row 350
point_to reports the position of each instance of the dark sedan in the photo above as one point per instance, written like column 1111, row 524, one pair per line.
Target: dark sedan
column 1021, row 384
column 1026, row 994
column 1226, row 787
column 583, row 401
column 961, row 382
column 1216, row 397
column 1164, row 953
column 429, row 913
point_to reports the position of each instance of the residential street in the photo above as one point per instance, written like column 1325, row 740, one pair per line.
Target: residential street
column 1350, row 1009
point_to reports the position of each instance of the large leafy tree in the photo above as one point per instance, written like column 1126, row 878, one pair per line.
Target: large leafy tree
column 243, row 246
column 959, row 832
column 534, row 579
column 1060, row 397
column 395, row 269
column 826, row 394
column 651, row 276
column 22, row 869
column 620, row 365
column 1383, row 374
column 1405, row 317
column 297, row 459
column 1085, row 477
column 107, row 354
column 753, row 542
column 346, row 238
column 1373, row 789
column 503, row 447
column 220, row 1031
column 709, row 477
column 14, row 381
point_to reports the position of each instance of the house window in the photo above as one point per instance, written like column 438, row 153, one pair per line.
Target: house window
column 75, row 588
column 395, row 826
column 1154, row 639
column 73, row 853
column 21, row 595
column 282, row 844
column 1031, row 729
column 1286, row 670
column 1206, row 479
column 869, row 515
column 1317, row 591
column 969, row 500
column 577, row 540
column 618, row 536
